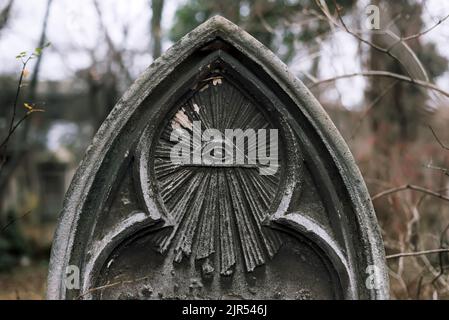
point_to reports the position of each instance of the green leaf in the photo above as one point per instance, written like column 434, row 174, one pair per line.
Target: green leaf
column 21, row 55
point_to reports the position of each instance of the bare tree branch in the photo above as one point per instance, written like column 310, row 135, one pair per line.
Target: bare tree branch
column 419, row 34
column 445, row 171
column 417, row 253
column 438, row 139
column 110, row 285
column 13, row 125
column 376, row 73
column 409, row 187
column 440, row 256
column 117, row 55
column 8, row 224
column 343, row 25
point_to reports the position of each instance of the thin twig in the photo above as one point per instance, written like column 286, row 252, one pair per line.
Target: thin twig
column 440, row 256
column 417, row 253
column 343, row 25
column 13, row 221
column 445, row 171
column 14, row 128
column 16, row 100
column 438, row 139
column 409, row 187
column 110, row 285
column 419, row 34
column 376, row 73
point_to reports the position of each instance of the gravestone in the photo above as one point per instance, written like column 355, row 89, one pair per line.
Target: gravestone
column 217, row 176
column 52, row 180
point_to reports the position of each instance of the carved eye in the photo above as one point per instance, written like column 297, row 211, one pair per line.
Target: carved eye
column 218, row 202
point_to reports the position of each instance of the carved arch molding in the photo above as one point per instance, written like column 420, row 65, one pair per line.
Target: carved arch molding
column 165, row 230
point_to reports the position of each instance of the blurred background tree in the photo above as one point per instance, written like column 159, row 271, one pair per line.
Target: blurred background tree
column 278, row 24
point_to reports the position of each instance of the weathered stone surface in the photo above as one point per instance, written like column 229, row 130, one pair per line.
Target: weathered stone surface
column 139, row 226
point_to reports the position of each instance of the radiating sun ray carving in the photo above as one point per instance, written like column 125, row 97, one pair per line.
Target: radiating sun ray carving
column 217, row 210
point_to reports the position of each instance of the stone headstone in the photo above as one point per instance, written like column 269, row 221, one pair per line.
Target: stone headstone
column 217, row 175
column 52, row 185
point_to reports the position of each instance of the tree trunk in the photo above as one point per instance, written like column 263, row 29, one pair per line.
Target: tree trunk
column 5, row 13
column 156, row 35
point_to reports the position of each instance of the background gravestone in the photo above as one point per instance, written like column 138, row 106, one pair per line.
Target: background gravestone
column 155, row 229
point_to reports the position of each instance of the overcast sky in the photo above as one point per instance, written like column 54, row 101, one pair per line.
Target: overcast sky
column 74, row 27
